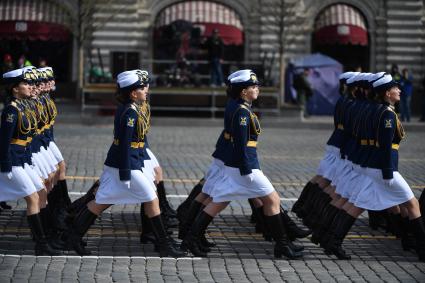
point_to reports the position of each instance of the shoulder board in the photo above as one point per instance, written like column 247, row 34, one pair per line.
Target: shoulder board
column 15, row 105
column 133, row 107
column 241, row 106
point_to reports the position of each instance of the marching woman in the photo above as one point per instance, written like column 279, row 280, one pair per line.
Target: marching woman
column 315, row 191
column 58, row 197
column 122, row 180
column 17, row 178
column 374, row 182
column 243, row 178
column 215, row 172
column 388, row 188
column 152, row 168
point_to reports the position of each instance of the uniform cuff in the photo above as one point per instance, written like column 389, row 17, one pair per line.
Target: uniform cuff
column 6, row 166
column 387, row 173
column 125, row 175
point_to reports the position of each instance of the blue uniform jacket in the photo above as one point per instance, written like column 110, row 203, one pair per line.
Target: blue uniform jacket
column 358, row 151
column 14, row 137
column 223, row 147
column 336, row 138
column 388, row 136
column 369, row 128
column 125, row 152
column 244, row 132
column 52, row 112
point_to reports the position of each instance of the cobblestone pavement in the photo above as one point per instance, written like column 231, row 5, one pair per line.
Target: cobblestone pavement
column 289, row 158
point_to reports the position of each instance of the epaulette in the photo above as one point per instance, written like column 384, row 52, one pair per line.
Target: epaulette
column 243, row 106
column 133, row 106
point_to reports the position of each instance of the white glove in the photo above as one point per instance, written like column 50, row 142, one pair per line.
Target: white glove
column 126, row 184
column 389, row 182
column 8, row 175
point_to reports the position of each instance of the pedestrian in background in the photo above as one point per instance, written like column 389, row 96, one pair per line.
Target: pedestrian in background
column 406, row 95
column 214, row 45
column 304, row 91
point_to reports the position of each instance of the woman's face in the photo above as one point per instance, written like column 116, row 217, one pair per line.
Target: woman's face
column 251, row 93
column 22, row 90
column 393, row 95
column 140, row 94
column 35, row 90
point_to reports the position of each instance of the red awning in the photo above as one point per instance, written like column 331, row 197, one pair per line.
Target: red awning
column 29, row 30
column 231, row 35
column 340, row 24
column 341, row 34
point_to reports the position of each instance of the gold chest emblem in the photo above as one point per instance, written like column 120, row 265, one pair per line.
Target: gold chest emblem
column 10, row 118
column 130, row 122
column 242, row 121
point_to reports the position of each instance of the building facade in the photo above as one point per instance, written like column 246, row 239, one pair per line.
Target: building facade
column 124, row 34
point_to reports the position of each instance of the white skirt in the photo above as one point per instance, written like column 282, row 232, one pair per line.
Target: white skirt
column 358, row 183
column 150, row 165
column 342, row 172
column 347, row 187
column 326, row 165
column 113, row 191
column 40, row 164
column 236, row 187
column 35, row 178
column 380, row 196
column 56, row 152
column 214, row 174
column 51, row 161
column 19, row 186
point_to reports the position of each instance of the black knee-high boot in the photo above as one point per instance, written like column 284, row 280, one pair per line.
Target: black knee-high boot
column 309, row 201
column 64, row 193
column 80, row 203
column 165, row 244
column 375, row 219
column 252, row 218
column 419, row 232
column 282, row 243
column 339, row 229
column 205, row 245
column 42, row 247
column 163, row 202
column 192, row 212
column 323, row 199
column 45, row 221
column 294, row 232
column 183, row 208
column 261, row 226
column 407, row 241
column 57, row 208
column 52, row 234
column 147, row 233
column 303, row 196
column 192, row 240
column 81, row 223
column 324, row 224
